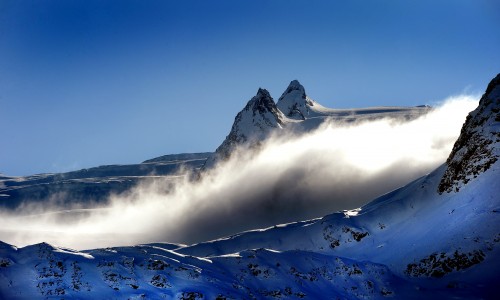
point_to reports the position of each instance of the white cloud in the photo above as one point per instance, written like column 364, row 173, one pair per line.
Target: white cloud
column 292, row 178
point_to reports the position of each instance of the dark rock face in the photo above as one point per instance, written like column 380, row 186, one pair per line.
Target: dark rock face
column 336, row 237
column 438, row 265
column 476, row 150
column 263, row 103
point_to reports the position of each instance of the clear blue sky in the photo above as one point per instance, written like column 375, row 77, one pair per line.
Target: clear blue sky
column 85, row 83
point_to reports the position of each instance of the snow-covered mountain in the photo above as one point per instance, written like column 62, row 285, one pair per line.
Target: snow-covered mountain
column 435, row 238
column 294, row 102
column 251, row 125
column 94, row 185
column 296, row 112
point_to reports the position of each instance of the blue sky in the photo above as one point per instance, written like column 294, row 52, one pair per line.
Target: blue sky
column 86, row 83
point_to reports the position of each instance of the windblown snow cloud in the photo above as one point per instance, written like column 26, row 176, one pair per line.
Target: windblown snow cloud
column 291, row 178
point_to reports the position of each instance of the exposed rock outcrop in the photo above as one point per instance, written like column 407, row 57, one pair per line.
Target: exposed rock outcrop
column 477, row 147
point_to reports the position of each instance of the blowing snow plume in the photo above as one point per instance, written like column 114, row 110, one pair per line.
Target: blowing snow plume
column 291, row 177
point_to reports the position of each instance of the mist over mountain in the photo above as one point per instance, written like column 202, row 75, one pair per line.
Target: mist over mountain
column 296, row 113
column 273, row 170
column 436, row 237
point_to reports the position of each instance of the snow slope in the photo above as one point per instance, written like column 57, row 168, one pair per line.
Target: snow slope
column 403, row 245
column 85, row 186
column 419, row 241
column 155, row 272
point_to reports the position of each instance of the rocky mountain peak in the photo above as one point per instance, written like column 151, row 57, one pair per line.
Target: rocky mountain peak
column 253, row 124
column 477, row 148
column 294, row 86
column 294, row 102
column 263, row 93
column 262, row 103
column 493, row 85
